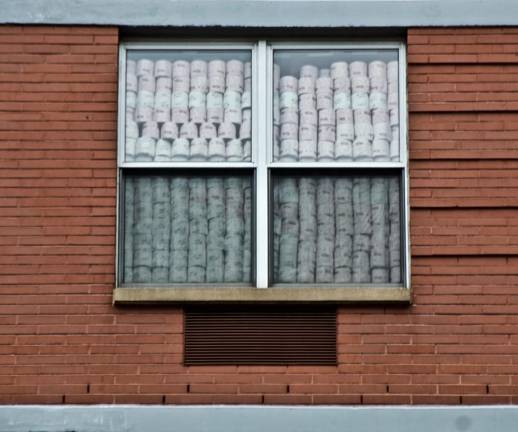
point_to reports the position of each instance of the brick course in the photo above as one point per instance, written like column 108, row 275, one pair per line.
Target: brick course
column 62, row 341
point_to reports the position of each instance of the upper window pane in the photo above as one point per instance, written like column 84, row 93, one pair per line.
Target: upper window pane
column 335, row 105
column 188, row 105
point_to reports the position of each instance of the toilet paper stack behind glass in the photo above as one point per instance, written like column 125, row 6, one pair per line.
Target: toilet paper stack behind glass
column 336, row 229
column 187, row 229
column 346, row 112
column 178, row 110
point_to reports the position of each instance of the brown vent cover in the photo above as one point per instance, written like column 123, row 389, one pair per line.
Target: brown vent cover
column 260, row 336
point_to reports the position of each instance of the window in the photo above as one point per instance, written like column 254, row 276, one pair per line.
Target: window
column 262, row 171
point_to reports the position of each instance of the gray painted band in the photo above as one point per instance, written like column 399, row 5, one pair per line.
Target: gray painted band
column 131, row 418
column 262, row 13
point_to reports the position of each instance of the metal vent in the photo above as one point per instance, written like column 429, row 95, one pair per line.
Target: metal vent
column 260, row 336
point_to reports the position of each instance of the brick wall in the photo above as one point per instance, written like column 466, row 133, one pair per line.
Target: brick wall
column 61, row 340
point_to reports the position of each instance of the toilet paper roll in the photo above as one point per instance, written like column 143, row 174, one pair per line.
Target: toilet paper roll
column 289, row 150
column 394, row 117
column 344, row 116
column 309, row 117
column 246, row 100
column 227, row 130
column 325, row 101
column 308, row 150
column 392, row 71
column 163, row 68
column 196, row 99
column 150, row 129
column 164, row 84
column 324, row 85
column 380, row 149
column 200, row 84
column 208, row 131
column 199, row 68
column 343, row 149
column 169, row 131
column 394, row 148
column 306, row 85
column 378, row 69
column 308, row 132
column 189, row 130
column 180, row 149
column 235, row 67
column 247, row 86
column 290, row 116
column 131, row 82
column 288, row 84
column 180, row 115
column 339, row 69
column 146, row 83
column 288, row 100
column 307, row 102
column 289, row 131
column 199, row 150
column 233, row 115
column 131, row 67
column 362, row 149
column 245, row 131
column 145, row 67
column 326, row 151
column 130, row 149
column 131, row 129
column 234, row 150
column 358, row 68
column 232, row 100
column 380, row 275
column 217, row 83
column 145, row 99
column 306, row 261
column 378, row 101
column 143, row 113
column 181, row 84
column 163, row 151
column 162, row 108
column 130, row 114
column 145, row 149
column 198, row 115
column 181, row 68
column 342, row 84
column 326, row 117
column 364, row 131
column 378, row 85
column 217, row 149
column 179, row 100
column 382, row 131
column 360, row 84
column 309, row 71
column 235, row 82
column 345, row 132
column 341, row 100
column 216, row 68
column 247, row 150
column 327, row 133
column 247, row 70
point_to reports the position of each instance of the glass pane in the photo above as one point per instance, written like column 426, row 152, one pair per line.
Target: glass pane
column 188, row 106
column 187, row 229
column 336, row 229
column 335, row 105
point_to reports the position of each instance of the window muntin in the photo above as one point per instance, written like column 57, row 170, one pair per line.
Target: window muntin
column 263, row 164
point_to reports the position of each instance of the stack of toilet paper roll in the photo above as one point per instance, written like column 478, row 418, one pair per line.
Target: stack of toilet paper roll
column 180, row 110
column 187, row 230
column 344, row 113
column 336, row 230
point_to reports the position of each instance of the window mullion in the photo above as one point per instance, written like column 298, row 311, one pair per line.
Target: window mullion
column 262, row 143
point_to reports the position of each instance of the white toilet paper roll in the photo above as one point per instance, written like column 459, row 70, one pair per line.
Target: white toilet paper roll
column 143, row 113
column 288, row 100
column 227, row 130
column 289, row 115
column 325, row 101
column 380, row 149
column 180, row 149
column 189, row 130
column 235, row 82
column 324, row 84
column 198, row 115
column 164, row 84
column 308, row 132
column 360, row 84
column 342, row 84
column 145, row 67
column 245, row 131
column 247, row 150
column 358, row 68
column 181, row 84
column 307, row 102
column 327, row 133
column 341, row 100
column 378, row 69
column 394, row 147
column 216, row 68
column 246, row 100
column 234, row 150
column 392, row 71
column 145, row 149
column 306, row 85
column 236, row 67
column 379, row 85
column 199, row 68
column 326, row 117
column 343, row 149
column 232, row 100
column 197, row 99
column 131, row 82
column 181, row 68
column 289, row 150
column 309, row 71
column 179, row 100
column 339, row 69
column 163, row 151
column 289, row 131
column 217, row 149
column 163, row 68
column 130, row 149
column 145, row 99
column 233, row 115
column 131, row 67
column 326, row 151
column 131, row 129
column 344, row 116
column 345, row 132
column 217, row 83
column 208, row 131
column 169, row 131
column 199, row 149
column 309, row 117
column 150, row 129
column 200, row 84
column 362, row 149
column 180, row 115
column 289, row 84
column 162, row 109
column 377, row 100
column 308, row 150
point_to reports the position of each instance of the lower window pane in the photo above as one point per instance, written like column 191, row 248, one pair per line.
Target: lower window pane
column 336, row 229
column 187, row 229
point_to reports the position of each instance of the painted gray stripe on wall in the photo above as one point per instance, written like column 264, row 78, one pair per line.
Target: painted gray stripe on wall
column 124, row 418
column 261, row 13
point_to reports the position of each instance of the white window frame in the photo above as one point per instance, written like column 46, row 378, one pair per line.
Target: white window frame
column 262, row 164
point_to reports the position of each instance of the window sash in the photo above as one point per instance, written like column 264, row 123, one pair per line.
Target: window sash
column 262, row 162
